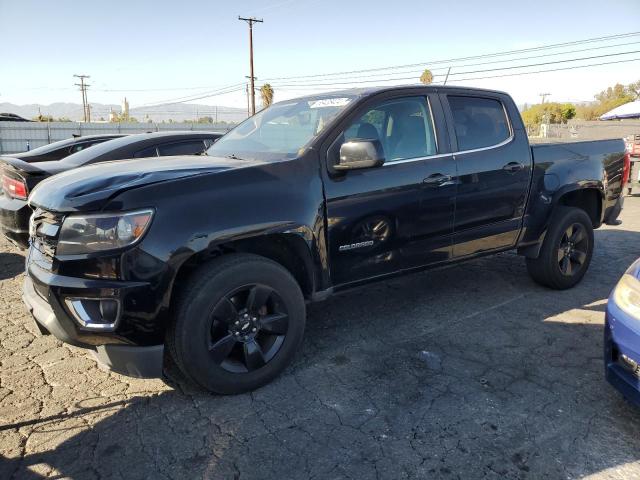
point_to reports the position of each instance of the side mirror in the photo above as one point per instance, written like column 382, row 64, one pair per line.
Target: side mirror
column 360, row 153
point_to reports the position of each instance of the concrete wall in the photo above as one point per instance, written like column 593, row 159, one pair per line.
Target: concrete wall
column 21, row 136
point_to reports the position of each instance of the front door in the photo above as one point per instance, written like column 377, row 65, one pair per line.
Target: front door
column 399, row 215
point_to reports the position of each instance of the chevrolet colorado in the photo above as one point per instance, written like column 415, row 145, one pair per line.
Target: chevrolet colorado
column 211, row 259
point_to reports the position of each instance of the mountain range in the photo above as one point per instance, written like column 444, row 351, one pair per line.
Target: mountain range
column 178, row 112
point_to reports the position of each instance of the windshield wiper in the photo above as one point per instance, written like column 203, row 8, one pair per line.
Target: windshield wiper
column 233, row 156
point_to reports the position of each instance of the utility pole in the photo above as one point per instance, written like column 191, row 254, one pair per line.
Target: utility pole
column 248, row 101
column 85, row 105
column 251, row 21
column 545, row 117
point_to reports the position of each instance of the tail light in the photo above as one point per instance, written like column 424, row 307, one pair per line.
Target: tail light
column 14, row 188
column 626, row 169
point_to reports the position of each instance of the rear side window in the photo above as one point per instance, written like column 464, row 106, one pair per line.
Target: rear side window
column 146, row 152
column 479, row 122
column 181, row 148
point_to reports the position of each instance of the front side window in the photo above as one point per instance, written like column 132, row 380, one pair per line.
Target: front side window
column 479, row 122
column 282, row 130
column 404, row 127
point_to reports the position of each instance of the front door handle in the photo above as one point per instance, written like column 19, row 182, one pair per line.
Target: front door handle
column 437, row 180
column 513, row 167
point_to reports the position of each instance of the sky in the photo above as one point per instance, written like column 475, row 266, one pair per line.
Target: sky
column 161, row 51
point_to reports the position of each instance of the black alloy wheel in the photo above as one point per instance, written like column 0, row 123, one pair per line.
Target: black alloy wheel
column 573, row 249
column 237, row 323
column 248, row 327
column 565, row 253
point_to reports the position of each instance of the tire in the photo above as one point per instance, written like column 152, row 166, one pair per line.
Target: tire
column 565, row 254
column 237, row 324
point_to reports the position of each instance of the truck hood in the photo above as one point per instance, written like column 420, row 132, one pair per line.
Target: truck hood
column 89, row 188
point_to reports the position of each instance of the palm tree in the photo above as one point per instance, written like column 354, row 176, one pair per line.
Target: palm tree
column 426, row 77
column 266, row 92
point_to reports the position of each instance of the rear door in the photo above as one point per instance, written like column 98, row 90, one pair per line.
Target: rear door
column 494, row 171
column 400, row 215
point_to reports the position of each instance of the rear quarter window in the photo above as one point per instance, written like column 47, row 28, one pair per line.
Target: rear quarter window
column 146, row 152
column 191, row 147
column 479, row 122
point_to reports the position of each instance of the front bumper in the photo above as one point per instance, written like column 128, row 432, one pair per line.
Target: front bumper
column 131, row 360
column 622, row 337
column 14, row 220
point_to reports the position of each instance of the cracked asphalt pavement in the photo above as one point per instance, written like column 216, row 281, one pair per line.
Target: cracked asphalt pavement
column 468, row 372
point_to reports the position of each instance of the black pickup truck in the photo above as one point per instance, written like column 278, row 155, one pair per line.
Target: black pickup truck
column 211, row 259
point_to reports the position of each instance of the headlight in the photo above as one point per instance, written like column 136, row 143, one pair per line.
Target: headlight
column 96, row 233
column 626, row 295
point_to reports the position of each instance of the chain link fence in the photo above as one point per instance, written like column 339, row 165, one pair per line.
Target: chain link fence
column 584, row 130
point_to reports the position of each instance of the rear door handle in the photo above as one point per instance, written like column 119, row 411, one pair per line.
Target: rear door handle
column 513, row 167
column 437, row 180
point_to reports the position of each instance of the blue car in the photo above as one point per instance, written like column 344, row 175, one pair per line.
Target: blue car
column 622, row 335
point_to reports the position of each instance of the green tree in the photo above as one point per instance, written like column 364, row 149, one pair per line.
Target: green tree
column 552, row 112
column 426, row 77
column 205, row 119
column 607, row 100
column 567, row 111
column 43, row 118
column 634, row 90
column 266, row 92
column 121, row 117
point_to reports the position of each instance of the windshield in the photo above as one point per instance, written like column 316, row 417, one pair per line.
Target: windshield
column 282, row 130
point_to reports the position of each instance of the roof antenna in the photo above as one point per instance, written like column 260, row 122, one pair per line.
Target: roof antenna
column 447, row 77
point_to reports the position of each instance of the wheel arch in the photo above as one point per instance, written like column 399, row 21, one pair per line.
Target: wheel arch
column 588, row 198
column 290, row 249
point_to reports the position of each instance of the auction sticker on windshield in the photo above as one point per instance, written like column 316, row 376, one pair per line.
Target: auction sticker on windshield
column 329, row 102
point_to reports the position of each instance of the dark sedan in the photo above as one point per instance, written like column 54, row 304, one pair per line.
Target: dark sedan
column 19, row 177
column 62, row 149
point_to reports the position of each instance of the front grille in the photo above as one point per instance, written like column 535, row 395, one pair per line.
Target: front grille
column 44, row 228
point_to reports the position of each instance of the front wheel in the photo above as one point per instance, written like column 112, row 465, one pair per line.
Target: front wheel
column 238, row 323
column 566, row 251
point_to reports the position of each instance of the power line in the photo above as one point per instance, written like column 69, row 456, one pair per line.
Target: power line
column 202, row 87
column 198, row 96
column 574, row 67
column 459, row 73
column 474, row 57
column 302, row 82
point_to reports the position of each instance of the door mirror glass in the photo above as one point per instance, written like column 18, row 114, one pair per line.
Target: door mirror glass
column 360, row 153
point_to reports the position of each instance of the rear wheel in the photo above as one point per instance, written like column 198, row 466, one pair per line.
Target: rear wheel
column 566, row 251
column 238, row 323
